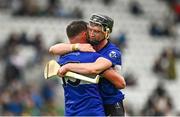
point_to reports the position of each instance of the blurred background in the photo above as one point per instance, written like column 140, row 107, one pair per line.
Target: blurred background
column 146, row 31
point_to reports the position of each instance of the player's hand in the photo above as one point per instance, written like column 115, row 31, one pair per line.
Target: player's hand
column 86, row 48
column 62, row 71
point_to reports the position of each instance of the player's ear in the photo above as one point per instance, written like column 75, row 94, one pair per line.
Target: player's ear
column 84, row 33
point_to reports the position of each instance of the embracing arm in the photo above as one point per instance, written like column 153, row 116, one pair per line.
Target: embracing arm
column 97, row 67
column 60, row 49
column 64, row 48
column 115, row 78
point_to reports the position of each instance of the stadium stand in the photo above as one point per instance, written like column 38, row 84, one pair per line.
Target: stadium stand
column 138, row 57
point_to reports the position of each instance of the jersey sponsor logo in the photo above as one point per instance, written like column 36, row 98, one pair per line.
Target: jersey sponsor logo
column 112, row 54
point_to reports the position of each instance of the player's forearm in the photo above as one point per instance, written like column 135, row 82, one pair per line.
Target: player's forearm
column 83, row 68
column 97, row 67
column 60, row 49
column 115, row 78
column 64, row 48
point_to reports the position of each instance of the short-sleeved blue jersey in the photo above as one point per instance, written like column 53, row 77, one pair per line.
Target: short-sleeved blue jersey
column 110, row 94
column 81, row 98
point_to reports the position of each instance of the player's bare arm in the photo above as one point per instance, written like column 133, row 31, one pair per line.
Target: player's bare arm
column 97, row 67
column 115, row 78
column 64, row 48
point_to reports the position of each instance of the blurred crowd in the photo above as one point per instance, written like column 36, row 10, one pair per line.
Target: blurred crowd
column 15, row 42
column 52, row 8
column 20, row 97
column 159, row 103
column 165, row 64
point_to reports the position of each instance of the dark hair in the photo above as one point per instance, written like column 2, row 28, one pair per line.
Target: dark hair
column 76, row 27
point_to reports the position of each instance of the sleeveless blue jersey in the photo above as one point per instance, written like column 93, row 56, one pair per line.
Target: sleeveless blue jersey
column 109, row 93
column 81, row 98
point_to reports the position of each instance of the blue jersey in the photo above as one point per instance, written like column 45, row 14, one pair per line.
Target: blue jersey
column 110, row 94
column 81, row 98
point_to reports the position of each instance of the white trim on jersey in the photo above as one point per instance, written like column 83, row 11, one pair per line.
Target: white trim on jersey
column 118, row 68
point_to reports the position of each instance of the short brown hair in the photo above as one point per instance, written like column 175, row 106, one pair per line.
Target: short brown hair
column 76, row 27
